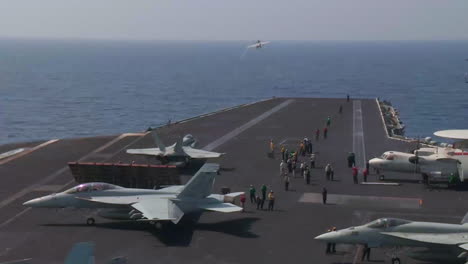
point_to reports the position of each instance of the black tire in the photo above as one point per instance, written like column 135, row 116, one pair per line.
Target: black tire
column 396, row 261
column 90, row 221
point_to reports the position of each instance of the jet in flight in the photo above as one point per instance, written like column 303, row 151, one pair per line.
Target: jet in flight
column 167, row 204
column 182, row 150
column 441, row 243
column 258, row 44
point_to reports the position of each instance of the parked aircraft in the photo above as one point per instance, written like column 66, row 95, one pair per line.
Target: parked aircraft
column 182, row 150
column 258, row 44
column 167, row 204
column 442, row 243
column 436, row 163
column 437, row 166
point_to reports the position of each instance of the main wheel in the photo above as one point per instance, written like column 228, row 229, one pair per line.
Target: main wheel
column 90, row 221
column 396, row 261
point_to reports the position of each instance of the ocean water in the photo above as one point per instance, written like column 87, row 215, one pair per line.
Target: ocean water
column 61, row 89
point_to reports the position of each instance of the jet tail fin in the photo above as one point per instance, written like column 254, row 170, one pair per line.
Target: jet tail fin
column 465, row 219
column 158, row 142
column 201, row 184
column 178, row 146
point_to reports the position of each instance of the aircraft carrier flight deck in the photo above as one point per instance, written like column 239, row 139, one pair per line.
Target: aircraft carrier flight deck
column 254, row 236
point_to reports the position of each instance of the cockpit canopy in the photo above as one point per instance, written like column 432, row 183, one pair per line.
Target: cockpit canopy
column 388, row 156
column 387, row 222
column 92, row 186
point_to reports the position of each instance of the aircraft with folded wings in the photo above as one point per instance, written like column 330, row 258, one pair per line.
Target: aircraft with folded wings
column 167, row 204
column 440, row 242
column 183, row 150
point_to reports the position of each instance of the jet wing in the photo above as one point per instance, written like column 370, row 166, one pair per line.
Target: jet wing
column 159, row 209
column 221, row 207
column 145, row 151
column 172, row 189
column 201, row 154
column 82, row 253
column 258, row 44
column 152, row 208
column 432, row 238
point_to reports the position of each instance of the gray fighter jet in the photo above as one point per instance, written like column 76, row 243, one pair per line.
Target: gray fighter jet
column 167, row 204
column 182, row 150
column 437, row 242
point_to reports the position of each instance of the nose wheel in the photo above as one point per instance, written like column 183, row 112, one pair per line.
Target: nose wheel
column 90, row 221
column 396, row 261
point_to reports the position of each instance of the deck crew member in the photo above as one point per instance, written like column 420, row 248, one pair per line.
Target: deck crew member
column 365, row 172
column 252, row 192
column 333, row 245
column 325, row 132
column 282, row 168
column 355, row 174
column 242, row 200
column 366, row 253
column 328, row 171
column 287, row 179
column 302, row 167
column 271, row 201
column 328, row 251
column 294, row 167
column 263, row 189
column 312, row 160
column 324, row 195
column 351, row 159
column 258, row 200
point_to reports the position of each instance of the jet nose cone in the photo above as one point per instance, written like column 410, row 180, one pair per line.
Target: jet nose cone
column 33, row 202
column 375, row 162
column 326, row 236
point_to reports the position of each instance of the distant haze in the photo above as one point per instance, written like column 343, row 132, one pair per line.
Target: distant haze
column 236, row 19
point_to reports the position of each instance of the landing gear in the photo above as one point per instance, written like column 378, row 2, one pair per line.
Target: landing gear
column 396, row 261
column 90, row 221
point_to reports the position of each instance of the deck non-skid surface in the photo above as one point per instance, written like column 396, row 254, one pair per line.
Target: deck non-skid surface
column 255, row 236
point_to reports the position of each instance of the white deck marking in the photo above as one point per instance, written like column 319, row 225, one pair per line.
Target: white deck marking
column 25, row 152
column 382, row 183
column 15, row 217
column 359, row 148
column 213, row 145
column 359, row 200
column 12, row 152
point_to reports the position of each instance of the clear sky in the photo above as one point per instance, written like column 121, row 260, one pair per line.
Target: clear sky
column 236, row 19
